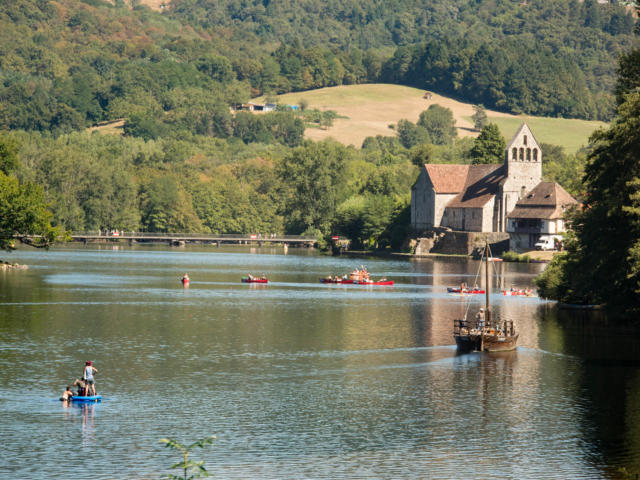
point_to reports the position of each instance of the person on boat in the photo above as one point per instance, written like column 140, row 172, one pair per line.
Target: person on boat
column 87, row 374
column 476, row 287
column 82, row 385
column 67, row 395
column 185, row 278
column 250, row 277
column 480, row 319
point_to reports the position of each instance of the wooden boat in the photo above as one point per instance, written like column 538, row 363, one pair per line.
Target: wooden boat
column 373, row 282
column 470, row 291
column 485, row 335
column 254, row 280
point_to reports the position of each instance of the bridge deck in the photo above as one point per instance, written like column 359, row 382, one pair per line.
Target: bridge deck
column 186, row 237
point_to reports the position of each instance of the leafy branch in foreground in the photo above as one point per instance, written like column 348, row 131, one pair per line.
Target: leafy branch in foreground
column 191, row 468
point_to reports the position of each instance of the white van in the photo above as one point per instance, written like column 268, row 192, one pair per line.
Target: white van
column 548, row 242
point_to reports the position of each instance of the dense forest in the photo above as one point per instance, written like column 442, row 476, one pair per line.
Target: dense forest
column 186, row 161
column 602, row 263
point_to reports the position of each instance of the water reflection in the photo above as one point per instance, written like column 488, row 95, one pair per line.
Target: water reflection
column 303, row 380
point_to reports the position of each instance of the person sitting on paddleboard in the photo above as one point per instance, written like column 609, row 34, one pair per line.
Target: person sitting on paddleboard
column 67, row 395
column 82, row 385
column 87, row 374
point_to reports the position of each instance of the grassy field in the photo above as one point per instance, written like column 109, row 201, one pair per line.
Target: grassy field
column 370, row 109
column 568, row 133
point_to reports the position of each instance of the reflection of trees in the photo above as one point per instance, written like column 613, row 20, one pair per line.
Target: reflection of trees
column 610, row 379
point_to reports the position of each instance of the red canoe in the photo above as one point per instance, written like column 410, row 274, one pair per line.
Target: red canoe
column 465, row 291
column 254, row 280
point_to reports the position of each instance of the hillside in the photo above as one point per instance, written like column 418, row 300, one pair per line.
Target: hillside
column 370, row 110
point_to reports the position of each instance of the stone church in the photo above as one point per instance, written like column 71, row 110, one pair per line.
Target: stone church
column 478, row 198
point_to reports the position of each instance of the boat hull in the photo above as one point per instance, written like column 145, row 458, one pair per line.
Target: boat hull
column 467, row 343
column 339, row 281
column 384, row 282
column 254, row 280
column 500, row 344
column 465, row 291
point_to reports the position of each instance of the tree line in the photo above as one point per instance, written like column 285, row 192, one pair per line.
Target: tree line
column 71, row 64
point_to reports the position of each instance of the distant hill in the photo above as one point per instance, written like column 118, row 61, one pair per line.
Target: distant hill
column 70, row 64
column 370, row 110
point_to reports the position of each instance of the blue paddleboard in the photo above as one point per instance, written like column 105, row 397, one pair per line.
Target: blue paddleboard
column 93, row 398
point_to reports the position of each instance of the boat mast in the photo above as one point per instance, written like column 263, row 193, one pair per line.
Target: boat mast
column 486, row 282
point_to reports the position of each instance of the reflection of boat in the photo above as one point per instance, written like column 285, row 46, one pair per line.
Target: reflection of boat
column 484, row 334
column 254, row 280
column 470, row 291
column 92, row 398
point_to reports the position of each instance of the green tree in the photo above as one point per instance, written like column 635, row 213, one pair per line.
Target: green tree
column 314, row 182
column 439, row 124
column 489, row 146
column 411, row 134
column 23, row 208
column 602, row 264
column 166, row 207
column 479, row 117
column 23, row 212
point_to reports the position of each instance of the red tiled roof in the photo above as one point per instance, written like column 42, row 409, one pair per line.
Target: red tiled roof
column 482, row 183
column 447, row 178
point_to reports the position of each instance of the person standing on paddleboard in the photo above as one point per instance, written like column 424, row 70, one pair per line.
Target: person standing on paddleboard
column 87, row 374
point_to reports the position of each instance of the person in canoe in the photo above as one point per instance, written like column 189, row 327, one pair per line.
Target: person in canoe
column 185, row 279
column 87, row 374
column 67, row 395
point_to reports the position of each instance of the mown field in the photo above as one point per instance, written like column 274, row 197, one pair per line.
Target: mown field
column 370, row 110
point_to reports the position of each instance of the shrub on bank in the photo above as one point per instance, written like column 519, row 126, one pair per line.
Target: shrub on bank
column 511, row 256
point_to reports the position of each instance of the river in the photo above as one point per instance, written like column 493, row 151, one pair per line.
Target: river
column 298, row 379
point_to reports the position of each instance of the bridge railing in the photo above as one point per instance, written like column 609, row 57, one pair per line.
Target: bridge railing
column 187, row 236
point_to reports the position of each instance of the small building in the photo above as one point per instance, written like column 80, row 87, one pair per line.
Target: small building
column 540, row 212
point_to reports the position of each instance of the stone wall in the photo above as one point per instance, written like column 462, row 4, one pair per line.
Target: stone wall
column 460, row 243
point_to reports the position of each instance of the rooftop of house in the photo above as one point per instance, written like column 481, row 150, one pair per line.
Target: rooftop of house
column 547, row 200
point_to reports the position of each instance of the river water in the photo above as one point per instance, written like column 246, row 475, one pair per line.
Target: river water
column 300, row 380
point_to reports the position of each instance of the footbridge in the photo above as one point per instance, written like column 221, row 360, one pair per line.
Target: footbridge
column 201, row 238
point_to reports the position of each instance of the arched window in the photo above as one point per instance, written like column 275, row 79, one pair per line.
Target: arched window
column 525, row 140
column 514, row 154
column 521, row 154
column 535, row 154
column 528, row 154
